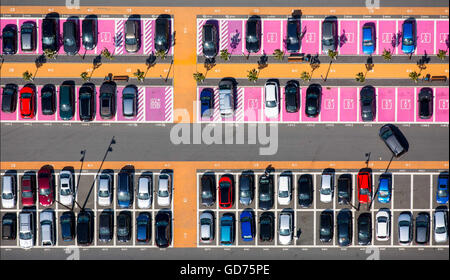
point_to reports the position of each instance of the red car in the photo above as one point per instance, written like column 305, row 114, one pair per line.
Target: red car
column 364, row 187
column 28, row 187
column 225, row 192
column 45, row 182
column 27, row 102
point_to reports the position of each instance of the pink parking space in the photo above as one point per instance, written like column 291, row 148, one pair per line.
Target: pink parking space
column 10, row 116
column 405, row 104
column 288, row 117
column 304, row 117
column 442, row 37
column 311, row 38
column 200, row 24
column 441, row 104
column 3, row 23
column 40, row 115
column 158, row 104
column 329, row 111
column 425, row 37
column 148, row 40
column 377, row 38
column 283, row 35
column 272, row 36
column 253, row 97
column 386, row 104
column 387, row 36
column 348, row 37
column 348, row 104
column 235, row 44
column 106, row 34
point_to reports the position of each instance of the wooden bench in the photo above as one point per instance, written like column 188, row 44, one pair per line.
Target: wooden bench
column 296, row 57
column 438, row 78
column 121, row 78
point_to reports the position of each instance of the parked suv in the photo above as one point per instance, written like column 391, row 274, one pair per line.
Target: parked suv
column 28, row 36
column 26, row 230
column 125, row 190
column 293, row 35
column 226, row 98
column 329, row 35
column 132, row 35
column 210, row 40
column 108, row 100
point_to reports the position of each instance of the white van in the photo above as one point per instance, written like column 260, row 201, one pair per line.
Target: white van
column 8, row 191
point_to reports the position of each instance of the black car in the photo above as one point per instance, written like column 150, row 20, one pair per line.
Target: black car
column 28, row 36
column 293, row 35
column 143, row 227
column 365, row 229
column 163, row 229
column 246, row 188
column 210, row 40
column 106, row 226
column 208, row 189
column 266, row 226
column 84, row 228
column 124, row 227
column 266, row 192
column 292, row 98
column 313, row 100
column 422, row 228
column 9, row 226
column 162, row 33
column 344, row 189
column 368, row 103
column 326, row 229
column 393, row 139
column 86, row 102
column 305, row 190
column 67, row 221
column 48, row 99
column 344, row 227
column 71, row 37
column 253, row 34
column 9, row 98
column 50, row 35
column 426, row 103
column 9, row 37
column 108, row 100
column 89, row 32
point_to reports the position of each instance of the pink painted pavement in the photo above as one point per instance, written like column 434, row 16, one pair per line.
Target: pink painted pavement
column 271, row 36
column 253, row 97
column 105, row 35
column 442, row 37
column 155, row 103
column 405, row 105
column 235, row 46
column 329, row 112
column 441, row 105
column 386, row 104
column 348, row 41
column 425, row 37
column 386, row 37
column 310, row 41
column 348, row 104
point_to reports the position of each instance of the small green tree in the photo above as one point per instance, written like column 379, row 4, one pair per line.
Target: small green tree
column 387, row 55
column 50, row 53
column 278, row 54
column 360, row 77
column 414, row 76
column 225, row 55
column 305, row 76
column 161, row 54
column 199, row 77
column 332, row 54
column 84, row 76
column 140, row 75
column 252, row 75
column 107, row 54
column 27, row 76
column 442, row 54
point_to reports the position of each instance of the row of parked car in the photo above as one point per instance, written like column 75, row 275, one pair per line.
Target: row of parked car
column 67, row 191
column 326, row 228
column 312, row 107
column 82, row 227
column 330, row 38
column 305, row 187
column 66, row 97
column 70, row 39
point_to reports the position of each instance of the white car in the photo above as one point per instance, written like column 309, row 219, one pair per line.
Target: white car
column 8, row 191
column 145, row 191
column 272, row 103
column 383, row 224
column 284, row 189
column 326, row 187
column 66, row 189
column 285, row 230
column 164, row 189
column 440, row 226
column 104, row 189
column 206, row 227
column 26, row 230
column 47, row 222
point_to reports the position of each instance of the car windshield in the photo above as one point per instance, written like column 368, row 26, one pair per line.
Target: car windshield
column 206, row 194
column 143, row 196
column 404, row 224
column 440, row 230
column 327, row 42
column 252, row 39
column 383, row 193
column 130, row 41
column 7, row 196
column 442, row 192
column 271, row 104
column 386, row 134
column 303, row 196
column 65, row 190
column 325, row 191
column 27, row 194
column 382, row 220
column 25, row 235
column 364, row 191
column 104, row 230
column 244, row 194
column 283, row 194
column 284, row 231
column 48, row 40
column 367, row 43
column 103, row 193
column 69, row 42
column 124, row 196
column 408, row 41
column 122, row 231
column 44, row 191
column 325, row 230
column 160, row 40
column 8, row 34
column 163, row 193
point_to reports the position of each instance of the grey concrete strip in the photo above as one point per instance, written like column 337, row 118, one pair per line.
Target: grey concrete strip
column 97, row 81
column 150, row 142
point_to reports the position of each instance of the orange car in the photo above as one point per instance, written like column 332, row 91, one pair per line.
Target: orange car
column 27, row 102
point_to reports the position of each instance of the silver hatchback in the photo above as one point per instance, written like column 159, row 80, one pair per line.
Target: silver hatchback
column 206, row 227
column 226, row 98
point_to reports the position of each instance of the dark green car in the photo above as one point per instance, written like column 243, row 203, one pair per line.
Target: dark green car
column 66, row 101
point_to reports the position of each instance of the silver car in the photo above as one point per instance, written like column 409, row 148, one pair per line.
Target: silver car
column 206, row 227
column 132, row 36
column 226, row 98
column 383, row 224
column 26, row 230
column 104, row 189
column 47, row 225
column 440, row 226
column 328, row 35
column 66, row 189
column 285, row 230
column 129, row 101
column 145, row 191
column 405, row 228
column 164, row 189
column 8, row 191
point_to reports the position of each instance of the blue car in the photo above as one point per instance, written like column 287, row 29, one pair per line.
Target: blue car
column 408, row 37
column 207, row 100
column 442, row 189
column 125, row 190
column 143, row 228
column 227, row 229
column 247, row 226
column 368, row 42
column 384, row 189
